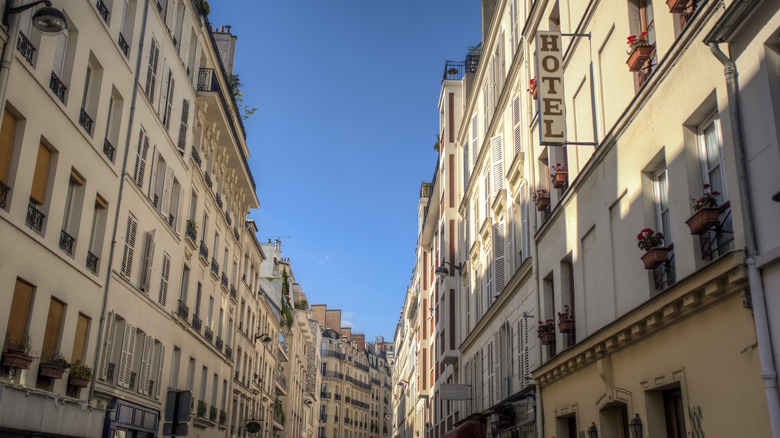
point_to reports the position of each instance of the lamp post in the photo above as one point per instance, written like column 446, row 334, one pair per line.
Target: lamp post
column 442, row 270
column 593, row 432
column 635, row 427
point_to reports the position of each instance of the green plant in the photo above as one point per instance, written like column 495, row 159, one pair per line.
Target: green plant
column 192, row 224
column 648, row 239
column 286, row 319
column 437, row 145
column 55, row 360
column 302, row 305
column 77, row 369
column 566, row 315
column 23, row 344
column 234, row 82
column 547, row 326
column 707, row 200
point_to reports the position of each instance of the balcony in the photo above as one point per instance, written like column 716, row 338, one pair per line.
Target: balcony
column 92, row 262
column 102, row 10
column 182, row 310
column 227, row 218
column 57, row 87
column 108, row 150
column 196, row 155
column 4, row 189
column 229, row 352
column 208, row 334
column 214, row 267
column 213, row 413
column 325, row 395
column 66, row 242
column 331, row 353
column 191, row 232
column 337, row 396
column 222, row 417
column 34, row 218
column 197, row 323
column 360, row 366
column 25, row 47
column 207, row 177
column 218, row 343
column 333, row 375
column 224, row 281
column 235, row 233
column 86, row 122
column 454, row 70
column 219, row 201
column 204, row 251
column 123, row 46
column 233, row 292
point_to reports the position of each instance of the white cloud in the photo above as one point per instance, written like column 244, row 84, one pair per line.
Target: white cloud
column 346, row 323
column 345, row 314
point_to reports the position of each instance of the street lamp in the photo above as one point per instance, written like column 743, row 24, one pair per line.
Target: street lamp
column 264, row 338
column 48, row 20
column 635, row 426
column 592, row 431
column 442, row 271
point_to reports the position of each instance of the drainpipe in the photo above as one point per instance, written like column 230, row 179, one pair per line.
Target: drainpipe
column 119, row 202
column 8, row 52
column 768, row 370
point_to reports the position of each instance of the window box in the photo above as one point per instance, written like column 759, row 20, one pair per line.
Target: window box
column 655, row 257
column 677, row 6
column 547, row 338
column 559, row 179
column 704, row 219
column 17, row 359
column 46, row 370
column 78, row 382
column 566, row 326
column 639, row 55
column 542, row 204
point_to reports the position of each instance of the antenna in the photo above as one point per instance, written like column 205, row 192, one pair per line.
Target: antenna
column 277, row 237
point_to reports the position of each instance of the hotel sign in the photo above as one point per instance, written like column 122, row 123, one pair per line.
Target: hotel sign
column 549, row 80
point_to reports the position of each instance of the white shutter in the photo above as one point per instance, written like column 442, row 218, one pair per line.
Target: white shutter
column 146, row 277
column 151, row 72
column 183, row 128
column 186, row 30
column 497, row 149
column 140, row 159
column 170, row 12
column 510, row 228
column 525, row 251
column 485, row 99
column 127, row 254
column 513, row 25
column 169, row 102
column 158, row 383
column 474, row 139
column 126, row 357
column 146, row 365
column 491, row 393
column 465, row 165
column 517, row 131
column 521, row 353
column 166, row 194
column 166, row 270
column 108, row 342
column 496, row 368
column 499, row 265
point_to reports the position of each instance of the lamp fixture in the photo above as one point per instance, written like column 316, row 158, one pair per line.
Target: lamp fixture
column 635, row 426
column 264, row 338
column 48, row 20
column 442, row 270
column 592, row 431
column 402, row 383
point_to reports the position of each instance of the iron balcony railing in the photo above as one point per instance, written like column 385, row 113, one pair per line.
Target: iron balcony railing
column 123, row 46
column 108, row 150
column 191, row 232
column 224, row 281
column 331, row 353
column 66, row 242
column 361, row 366
column 4, row 189
column 218, row 343
column 219, row 201
column 229, row 352
column 333, row 375
column 324, row 395
column 183, row 310
column 222, row 417
column 204, row 250
column 454, row 70
column 103, row 10
column 207, row 177
column 213, row 413
column 92, row 261
column 57, row 87
column 227, row 218
column 86, row 121
column 197, row 323
column 214, row 266
column 337, row 396
column 208, row 334
column 34, row 218
column 233, row 292
column 196, row 155
column 25, row 47
column 235, row 233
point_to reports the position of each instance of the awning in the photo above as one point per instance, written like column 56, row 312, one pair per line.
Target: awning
column 469, row 429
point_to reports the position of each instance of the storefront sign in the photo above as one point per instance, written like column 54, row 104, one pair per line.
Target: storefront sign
column 549, row 80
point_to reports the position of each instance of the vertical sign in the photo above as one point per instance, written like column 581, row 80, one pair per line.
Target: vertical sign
column 549, row 79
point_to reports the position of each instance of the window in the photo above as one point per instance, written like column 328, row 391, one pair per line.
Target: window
column 97, row 233
column 129, row 247
column 191, row 374
column 19, row 312
column 185, row 115
column 80, row 338
column 51, row 337
column 146, row 275
column 167, row 104
column 58, row 68
column 173, row 379
column 41, row 175
column 210, row 315
column 198, row 293
column 716, row 241
column 204, row 375
column 641, row 19
column 140, row 159
column 112, row 125
column 124, row 26
column 661, row 197
column 185, row 278
column 73, row 201
column 164, row 276
column 151, row 73
column 90, row 96
column 7, row 132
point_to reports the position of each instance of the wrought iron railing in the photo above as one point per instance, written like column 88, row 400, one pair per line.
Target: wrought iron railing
column 86, row 121
column 213, row 413
column 227, row 218
column 454, row 70
column 233, row 292
column 4, row 189
column 334, row 375
column 208, row 334
column 331, row 353
column 235, row 233
column 324, row 395
column 197, row 323
column 103, row 10
column 218, row 343
column 35, row 218
column 224, row 280
column 191, row 232
column 361, row 366
column 201, row 408
column 281, row 380
column 66, row 242
column 92, row 261
column 25, row 47
column 664, row 275
column 123, row 46
column 214, row 266
column 108, row 150
column 229, row 352
column 196, row 155
column 222, row 417
column 219, row 201
column 183, row 310
column 719, row 238
column 337, row 396
column 207, row 177
column 57, row 87
column 688, row 13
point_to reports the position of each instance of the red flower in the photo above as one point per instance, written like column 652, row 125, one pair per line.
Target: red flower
column 715, row 193
column 706, row 186
column 647, row 230
column 640, row 236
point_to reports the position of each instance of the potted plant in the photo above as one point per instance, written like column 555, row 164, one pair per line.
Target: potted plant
column 19, row 352
column 560, row 176
column 640, row 50
column 706, row 211
column 80, row 374
column 566, row 320
column 677, row 6
column 542, row 199
column 532, row 89
column 652, row 242
column 546, row 331
column 53, row 365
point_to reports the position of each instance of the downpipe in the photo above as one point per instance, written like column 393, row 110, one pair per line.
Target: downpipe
column 755, row 283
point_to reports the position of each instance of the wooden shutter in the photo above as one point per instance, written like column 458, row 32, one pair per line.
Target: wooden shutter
column 525, row 251
column 20, row 310
column 522, row 371
column 160, row 364
column 41, row 175
column 148, row 260
column 165, row 208
column 146, row 365
column 151, row 73
column 169, row 101
column 185, row 115
column 140, row 159
column 108, row 343
column 489, row 367
column 465, row 165
column 6, row 144
column 496, row 368
column 499, row 265
column 165, row 275
column 497, row 149
column 127, row 255
column 126, row 356
column 517, row 131
column 474, row 139
column 80, row 338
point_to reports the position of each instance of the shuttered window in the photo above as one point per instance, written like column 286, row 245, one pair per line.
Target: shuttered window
column 499, row 265
column 51, row 336
column 185, row 115
column 517, row 131
column 146, row 277
column 165, row 276
column 126, row 356
column 80, row 338
column 108, row 344
column 140, row 159
column 497, row 150
column 145, row 370
column 7, row 132
column 151, row 73
column 19, row 313
column 524, row 226
column 41, row 175
column 129, row 249
column 168, row 103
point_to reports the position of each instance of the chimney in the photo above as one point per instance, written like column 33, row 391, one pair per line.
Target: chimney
column 226, row 46
column 488, row 8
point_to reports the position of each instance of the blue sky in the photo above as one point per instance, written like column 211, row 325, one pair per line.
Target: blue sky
column 346, row 92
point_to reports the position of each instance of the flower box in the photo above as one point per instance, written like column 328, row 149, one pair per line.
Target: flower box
column 542, row 203
column 655, row 257
column 46, row 370
column 17, row 359
column 547, row 338
column 703, row 220
column 639, row 56
column 78, row 382
column 559, row 179
column 677, row 6
column 566, row 326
